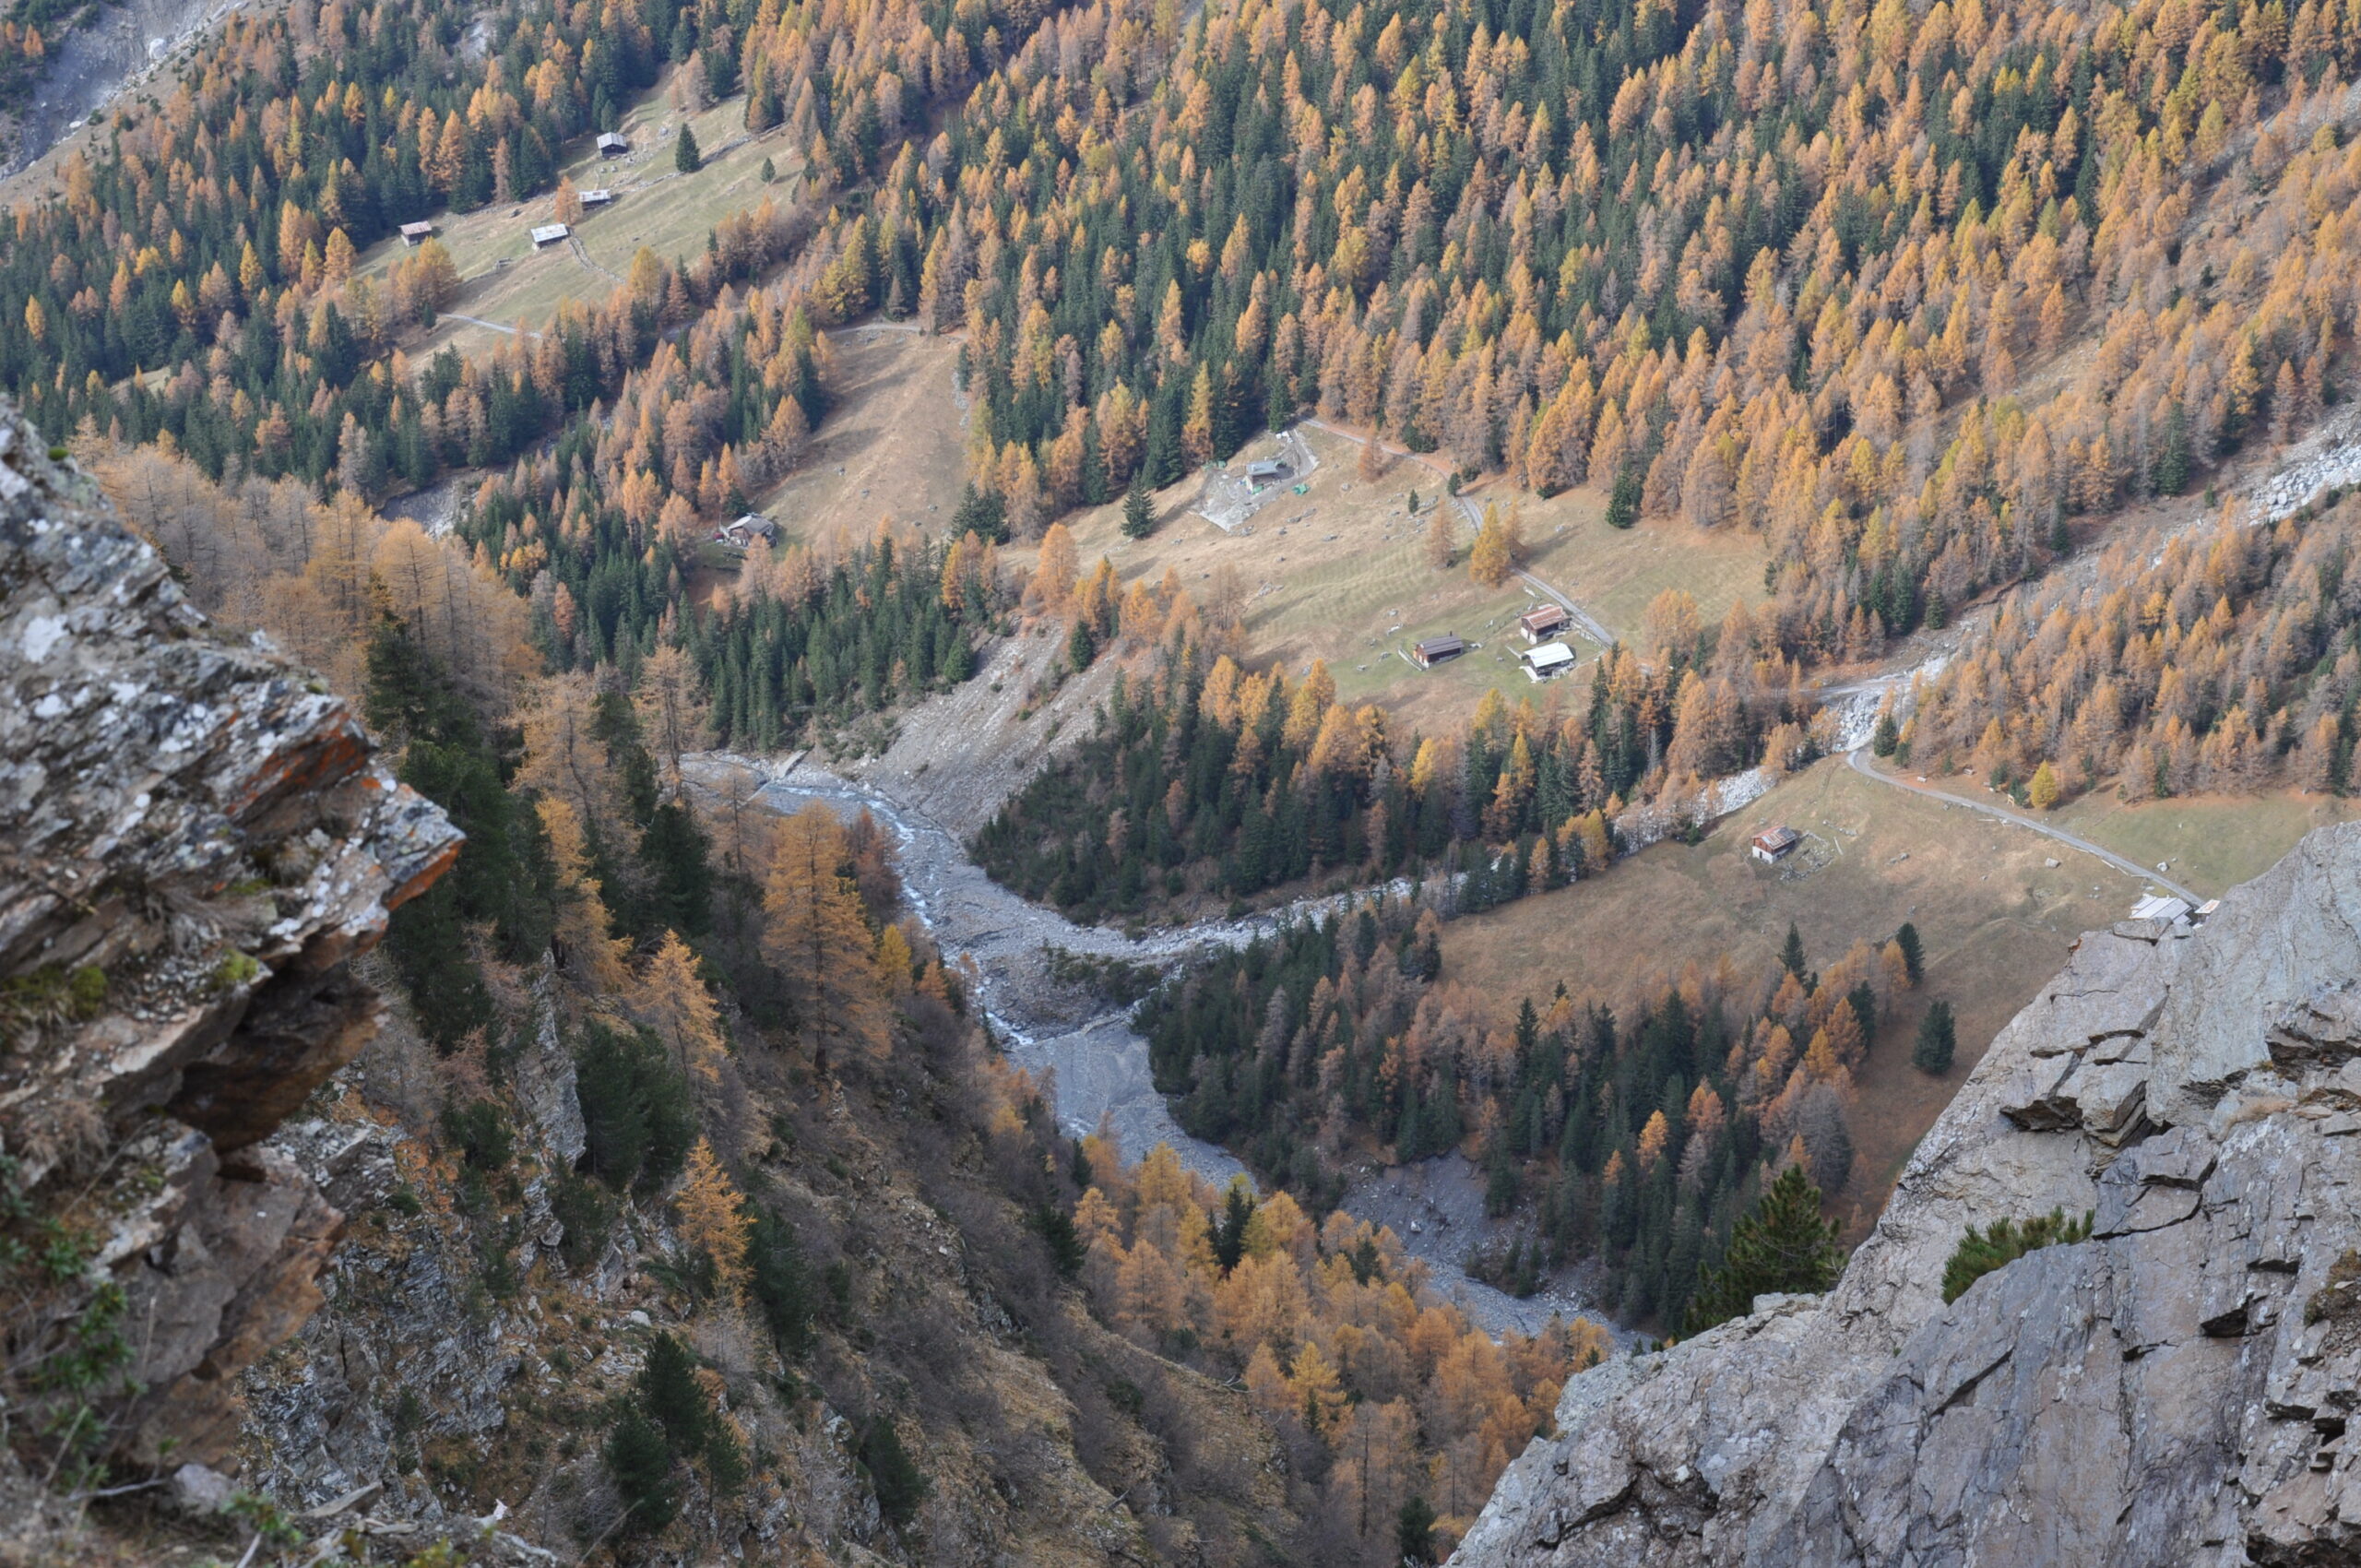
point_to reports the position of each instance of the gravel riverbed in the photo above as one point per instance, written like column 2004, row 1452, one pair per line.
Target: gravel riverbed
column 999, row 941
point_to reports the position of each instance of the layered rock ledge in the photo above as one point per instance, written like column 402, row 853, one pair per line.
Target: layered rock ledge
column 2173, row 1390
column 196, row 839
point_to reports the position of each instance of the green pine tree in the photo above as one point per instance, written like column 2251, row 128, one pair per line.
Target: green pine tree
column 1783, row 1245
column 641, row 1463
column 1414, row 1531
column 1937, row 1039
column 1230, row 1226
column 2004, row 1242
column 900, row 1485
column 1913, row 956
column 1791, row 952
column 1139, row 510
column 2169, row 474
column 636, row 1119
column 1623, row 506
column 1500, row 1184
column 667, row 1392
column 1888, row 739
column 781, row 1283
column 685, row 155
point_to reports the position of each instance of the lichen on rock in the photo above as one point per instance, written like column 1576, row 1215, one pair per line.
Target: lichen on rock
column 195, row 840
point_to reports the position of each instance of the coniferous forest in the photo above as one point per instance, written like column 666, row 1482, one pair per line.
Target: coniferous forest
column 1932, row 298
column 1204, row 779
column 1634, row 1144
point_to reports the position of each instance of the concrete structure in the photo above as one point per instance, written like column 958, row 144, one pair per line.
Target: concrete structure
column 550, row 234
column 1548, row 662
column 1434, row 650
column 1229, row 500
column 1543, row 621
column 1773, row 844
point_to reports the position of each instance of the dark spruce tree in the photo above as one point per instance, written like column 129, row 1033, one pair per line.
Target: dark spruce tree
column 1784, row 1245
column 502, row 878
column 641, row 1463
column 1913, row 955
column 1623, row 506
column 1139, row 510
column 1791, row 952
column 1937, row 1039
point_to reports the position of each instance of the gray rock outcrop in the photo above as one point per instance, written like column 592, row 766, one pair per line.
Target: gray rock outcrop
column 2173, row 1390
column 195, row 838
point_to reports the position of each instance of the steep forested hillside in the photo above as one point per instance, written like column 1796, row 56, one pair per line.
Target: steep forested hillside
column 2224, row 662
column 1780, row 268
column 212, row 247
column 1634, row 1144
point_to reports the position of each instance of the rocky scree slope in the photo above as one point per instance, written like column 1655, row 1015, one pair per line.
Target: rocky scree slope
column 194, row 841
column 2174, row 1390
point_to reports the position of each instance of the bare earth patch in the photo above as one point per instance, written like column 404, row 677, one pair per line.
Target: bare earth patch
column 889, row 450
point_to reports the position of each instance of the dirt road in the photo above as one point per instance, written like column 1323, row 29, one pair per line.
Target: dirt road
column 1590, row 625
column 1862, row 765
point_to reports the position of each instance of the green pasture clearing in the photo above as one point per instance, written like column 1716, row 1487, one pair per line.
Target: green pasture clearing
column 505, row 281
column 2208, row 843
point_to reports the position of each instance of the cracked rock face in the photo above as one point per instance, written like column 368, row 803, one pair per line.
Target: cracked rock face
column 195, row 839
column 2174, row 1390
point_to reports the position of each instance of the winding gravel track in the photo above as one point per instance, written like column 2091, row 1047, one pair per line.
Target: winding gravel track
column 1859, row 758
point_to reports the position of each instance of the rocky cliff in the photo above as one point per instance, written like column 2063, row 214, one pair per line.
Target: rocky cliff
column 195, row 841
column 2173, row 1390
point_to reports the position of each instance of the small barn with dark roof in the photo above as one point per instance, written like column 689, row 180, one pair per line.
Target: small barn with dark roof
column 1426, row 655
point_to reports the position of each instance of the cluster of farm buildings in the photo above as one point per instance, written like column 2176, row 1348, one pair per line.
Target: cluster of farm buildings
column 1543, row 660
column 610, row 144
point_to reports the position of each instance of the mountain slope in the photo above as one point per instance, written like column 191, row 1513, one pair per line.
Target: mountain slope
column 2174, row 1388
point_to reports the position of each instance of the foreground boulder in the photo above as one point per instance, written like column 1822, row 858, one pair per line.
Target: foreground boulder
column 2173, row 1390
column 196, row 839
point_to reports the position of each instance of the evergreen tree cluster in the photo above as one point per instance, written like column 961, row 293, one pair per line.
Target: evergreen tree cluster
column 637, row 1120
column 1212, row 780
column 668, row 1418
column 869, row 632
column 502, row 878
column 603, row 535
column 1634, row 1142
